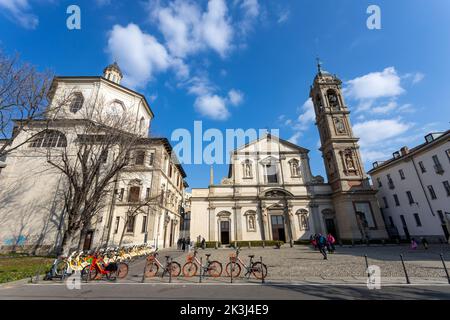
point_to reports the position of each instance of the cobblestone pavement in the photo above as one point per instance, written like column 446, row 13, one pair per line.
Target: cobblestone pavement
column 302, row 263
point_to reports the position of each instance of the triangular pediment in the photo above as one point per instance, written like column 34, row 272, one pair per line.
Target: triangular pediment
column 268, row 144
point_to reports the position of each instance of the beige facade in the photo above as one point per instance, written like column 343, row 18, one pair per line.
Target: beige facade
column 414, row 189
column 292, row 204
column 31, row 212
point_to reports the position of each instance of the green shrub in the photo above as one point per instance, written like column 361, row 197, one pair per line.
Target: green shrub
column 244, row 244
column 209, row 244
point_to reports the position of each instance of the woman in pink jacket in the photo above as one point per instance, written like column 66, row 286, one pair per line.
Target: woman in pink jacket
column 330, row 243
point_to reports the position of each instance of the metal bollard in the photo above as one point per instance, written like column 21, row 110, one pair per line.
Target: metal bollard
column 143, row 274
column 262, row 268
column 232, row 268
column 201, row 269
column 404, row 269
column 170, row 271
column 263, row 244
column 249, row 245
column 367, row 265
column 445, row 268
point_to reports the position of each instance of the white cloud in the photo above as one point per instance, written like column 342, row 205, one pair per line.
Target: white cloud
column 235, row 97
column 308, row 115
column 295, row 138
column 283, row 16
column 212, row 106
column 19, row 11
column 139, row 54
column 187, row 29
column 378, row 132
column 418, row 77
column 375, row 85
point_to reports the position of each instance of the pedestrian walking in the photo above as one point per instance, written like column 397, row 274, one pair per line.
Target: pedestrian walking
column 330, row 242
column 413, row 244
column 322, row 243
column 183, row 244
column 425, row 243
column 203, row 243
column 188, row 244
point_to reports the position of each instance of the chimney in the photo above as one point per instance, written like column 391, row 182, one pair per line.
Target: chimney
column 404, row 151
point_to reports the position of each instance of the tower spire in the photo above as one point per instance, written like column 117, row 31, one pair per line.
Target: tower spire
column 319, row 65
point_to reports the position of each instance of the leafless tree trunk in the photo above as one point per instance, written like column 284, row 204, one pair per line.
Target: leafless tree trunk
column 91, row 163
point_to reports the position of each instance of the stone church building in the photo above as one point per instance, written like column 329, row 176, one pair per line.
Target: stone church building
column 31, row 213
column 271, row 194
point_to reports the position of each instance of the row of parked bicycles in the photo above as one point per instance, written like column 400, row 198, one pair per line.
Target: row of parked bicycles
column 111, row 263
column 195, row 266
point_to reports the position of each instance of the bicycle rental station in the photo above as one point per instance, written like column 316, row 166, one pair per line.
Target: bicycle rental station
column 113, row 264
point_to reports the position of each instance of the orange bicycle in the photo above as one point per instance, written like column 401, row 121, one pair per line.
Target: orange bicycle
column 213, row 268
column 258, row 269
column 153, row 265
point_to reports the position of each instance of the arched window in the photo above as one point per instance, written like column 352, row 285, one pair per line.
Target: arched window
column 77, row 102
column 142, row 124
column 333, row 99
column 49, row 139
column 303, row 219
column 319, row 102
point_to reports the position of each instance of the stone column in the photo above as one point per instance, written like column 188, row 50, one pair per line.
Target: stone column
column 238, row 223
column 212, row 224
column 290, row 216
column 265, row 218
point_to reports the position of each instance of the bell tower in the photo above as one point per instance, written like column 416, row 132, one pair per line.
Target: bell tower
column 357, row 213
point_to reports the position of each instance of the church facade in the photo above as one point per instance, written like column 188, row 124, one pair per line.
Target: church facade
column 271, row 194
column 32, row 215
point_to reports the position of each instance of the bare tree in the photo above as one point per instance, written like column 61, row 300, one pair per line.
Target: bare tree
column 136, row 208
column 24, row 94
column 91, row 163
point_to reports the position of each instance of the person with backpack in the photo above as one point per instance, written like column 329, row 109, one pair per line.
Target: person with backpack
column 425, row 243
column 322, row 243
column 330, row 242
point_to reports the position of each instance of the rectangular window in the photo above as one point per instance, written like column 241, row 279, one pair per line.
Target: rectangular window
column 441, row 216
column 104, row 156
column 397, row 202
column 272, row 176
column 447, row 152
column 116, row 228
column 402, row 217
column 140, row 158
column 379, row 183
column 134, row 194
column 417, row 218
column 402, row 174
column 410, row 197
column 447, row 187
column 422, row 167
column 386, row 204
column 391, row 221
column 390, row 181
column 130, row 224
column 432, row 193
column 144, row 224
column 170, row 171
column 147, row 194
column 120, row 194
column 151, row 159
column 437, row 165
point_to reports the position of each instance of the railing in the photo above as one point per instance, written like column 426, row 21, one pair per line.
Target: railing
column 438, row 168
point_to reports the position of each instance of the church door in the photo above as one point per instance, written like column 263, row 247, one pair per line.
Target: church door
column 225, row 232
column 278, row 229
column 331, row 227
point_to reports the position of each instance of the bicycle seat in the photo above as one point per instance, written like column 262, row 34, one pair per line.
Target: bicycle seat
column 208, row 255
column 251, row 257
column 167, row 257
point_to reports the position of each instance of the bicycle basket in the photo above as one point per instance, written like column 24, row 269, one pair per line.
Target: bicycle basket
column 233, row 257
column 190, row 258
column 151, row 258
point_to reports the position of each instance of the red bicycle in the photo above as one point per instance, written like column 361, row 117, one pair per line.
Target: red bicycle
column 97, row 269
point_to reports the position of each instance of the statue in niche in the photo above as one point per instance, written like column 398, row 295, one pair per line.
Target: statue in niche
column 349, row 161
column 339, row 123
column 251, row 222
column 330, row 163
column 248, row 170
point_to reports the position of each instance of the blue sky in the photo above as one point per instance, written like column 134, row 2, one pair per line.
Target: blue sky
column 249, row 63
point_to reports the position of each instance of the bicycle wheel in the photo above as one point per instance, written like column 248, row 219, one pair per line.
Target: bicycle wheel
column 88, row 274
column 122, row 270
column 190, row 269
column 215, row 269
column 236, row 269
column 151, row 269
column 174, row 268
column 259, row 270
